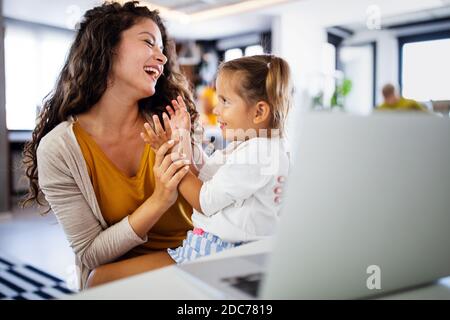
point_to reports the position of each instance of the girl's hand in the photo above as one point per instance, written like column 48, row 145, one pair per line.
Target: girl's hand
column 169, row 169
column 278, row 191
column 158, row 136
column 179, row 116
column 180, row 122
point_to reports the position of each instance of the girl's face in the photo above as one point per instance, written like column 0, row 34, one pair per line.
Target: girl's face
column 139, row 60
column 234, row 115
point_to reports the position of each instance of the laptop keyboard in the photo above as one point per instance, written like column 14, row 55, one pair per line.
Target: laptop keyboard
column 248, row 283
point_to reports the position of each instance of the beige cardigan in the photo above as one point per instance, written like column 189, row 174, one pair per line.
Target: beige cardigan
column 65, row 182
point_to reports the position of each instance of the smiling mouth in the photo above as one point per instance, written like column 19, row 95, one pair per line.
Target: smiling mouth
column 222, row 124
column 152, row 72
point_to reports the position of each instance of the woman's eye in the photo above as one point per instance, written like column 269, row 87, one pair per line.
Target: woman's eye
column 149, row 43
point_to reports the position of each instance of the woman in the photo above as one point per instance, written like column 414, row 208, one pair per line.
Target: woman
column 116, row 200
column 110, row 193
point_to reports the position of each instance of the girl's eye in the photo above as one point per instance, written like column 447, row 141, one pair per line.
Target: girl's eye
column 149, row 43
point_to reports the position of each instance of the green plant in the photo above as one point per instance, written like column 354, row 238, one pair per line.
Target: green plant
column 317, row 100
column 341, row 91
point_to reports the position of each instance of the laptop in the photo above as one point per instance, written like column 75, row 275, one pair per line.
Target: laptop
column 366, row 212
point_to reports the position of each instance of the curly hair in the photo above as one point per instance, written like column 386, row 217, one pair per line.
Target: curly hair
column 83, row 79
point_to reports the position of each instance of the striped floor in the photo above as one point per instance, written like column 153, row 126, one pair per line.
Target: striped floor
column 19, row 281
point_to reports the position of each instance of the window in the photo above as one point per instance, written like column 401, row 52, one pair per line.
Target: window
column 254, row 50
column 235, row 53
column 425, row 66
column 34, row 56
column 231, row 54
column 328, row 58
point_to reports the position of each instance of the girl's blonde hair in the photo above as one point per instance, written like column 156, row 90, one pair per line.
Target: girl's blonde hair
column 264, row 78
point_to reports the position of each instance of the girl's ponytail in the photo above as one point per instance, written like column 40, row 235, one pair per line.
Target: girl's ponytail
column 279, row 90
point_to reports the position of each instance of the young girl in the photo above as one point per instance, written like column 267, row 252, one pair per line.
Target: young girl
column 232, row 195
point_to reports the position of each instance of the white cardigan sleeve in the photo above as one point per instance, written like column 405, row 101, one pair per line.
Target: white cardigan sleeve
column 92, row 244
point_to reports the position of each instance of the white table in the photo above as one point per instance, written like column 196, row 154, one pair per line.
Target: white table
column 169, row 283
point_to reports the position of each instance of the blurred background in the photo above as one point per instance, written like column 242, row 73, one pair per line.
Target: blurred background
column 342, row 53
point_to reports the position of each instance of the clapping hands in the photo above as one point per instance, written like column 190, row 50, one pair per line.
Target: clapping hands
column 177, row 123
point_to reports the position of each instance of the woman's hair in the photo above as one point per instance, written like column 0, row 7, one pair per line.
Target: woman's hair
column 264, row 78
column 83, row 79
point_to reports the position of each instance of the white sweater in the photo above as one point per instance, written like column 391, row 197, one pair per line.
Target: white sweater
column 237, row 196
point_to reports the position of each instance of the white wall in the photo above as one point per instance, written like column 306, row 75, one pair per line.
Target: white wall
column 299, row 39
column 357, row 64
column 4, row 148
column 387, row 56
column 387, row 62
column 341, row 12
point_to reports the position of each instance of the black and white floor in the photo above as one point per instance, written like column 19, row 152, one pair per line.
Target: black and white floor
column 19, row 281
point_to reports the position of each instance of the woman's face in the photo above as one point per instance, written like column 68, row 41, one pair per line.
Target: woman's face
column 139, row 60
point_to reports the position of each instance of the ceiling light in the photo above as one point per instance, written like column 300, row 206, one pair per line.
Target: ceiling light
column 212, row 13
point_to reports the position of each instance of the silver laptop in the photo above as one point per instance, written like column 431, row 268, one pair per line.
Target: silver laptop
column 366, row 212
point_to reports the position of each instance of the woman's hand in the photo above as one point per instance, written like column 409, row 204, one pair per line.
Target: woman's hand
column 278, row 191
column 169, row 169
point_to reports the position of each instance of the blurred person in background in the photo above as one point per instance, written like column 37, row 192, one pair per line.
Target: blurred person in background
column 208, row 101
column 394, row 102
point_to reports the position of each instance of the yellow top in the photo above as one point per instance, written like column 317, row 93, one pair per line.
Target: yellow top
column 403, row 105
column 119, row 195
